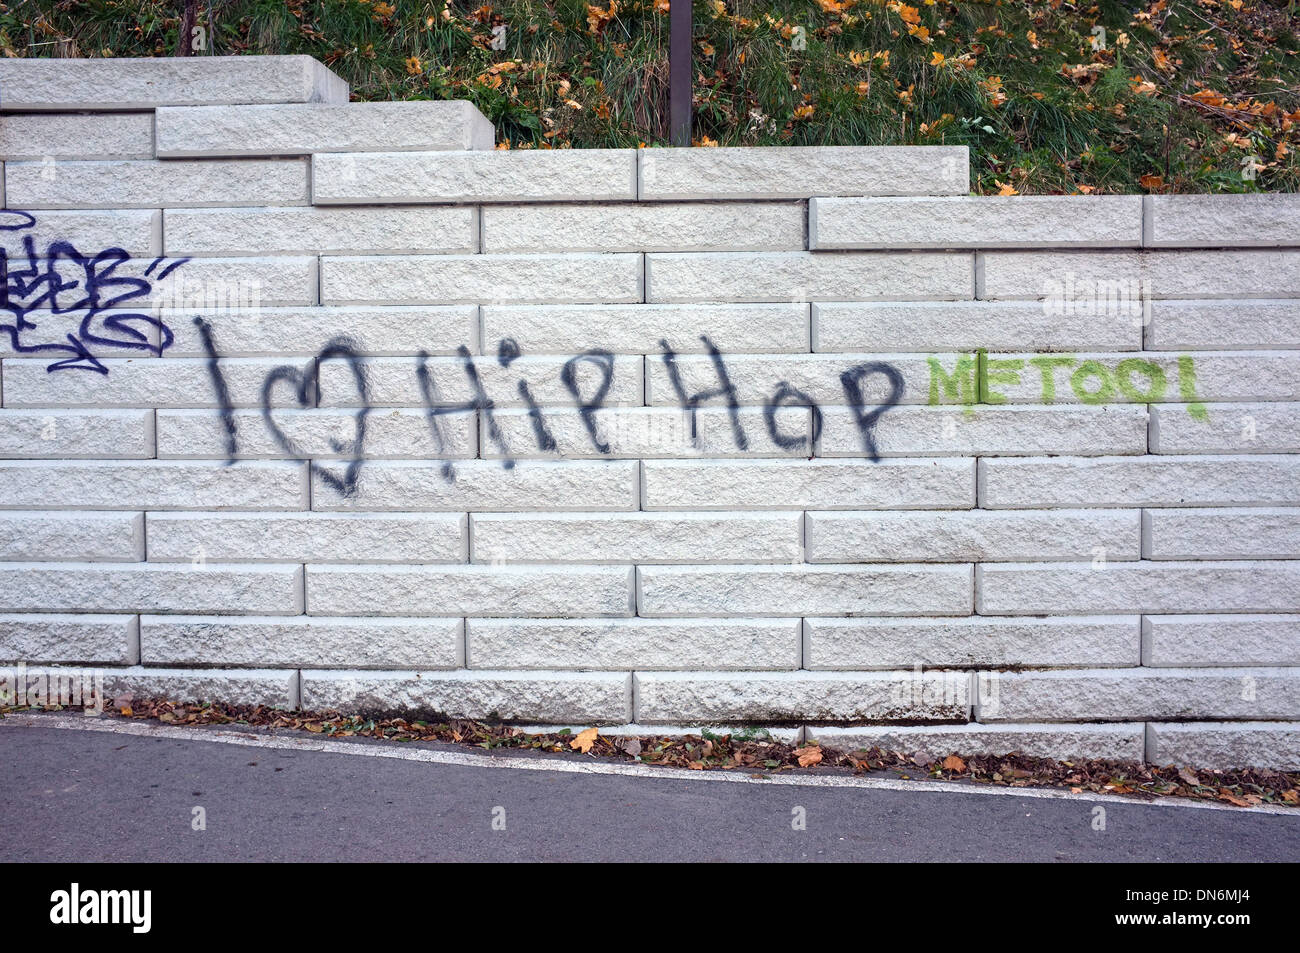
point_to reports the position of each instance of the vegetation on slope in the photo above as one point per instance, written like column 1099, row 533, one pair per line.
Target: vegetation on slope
column 1051, row 96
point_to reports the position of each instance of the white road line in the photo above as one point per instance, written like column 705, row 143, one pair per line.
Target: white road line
column 569, row 766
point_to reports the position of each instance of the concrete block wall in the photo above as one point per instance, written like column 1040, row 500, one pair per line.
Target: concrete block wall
column 308, row 402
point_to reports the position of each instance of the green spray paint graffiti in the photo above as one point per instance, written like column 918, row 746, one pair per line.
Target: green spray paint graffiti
column 979, row 379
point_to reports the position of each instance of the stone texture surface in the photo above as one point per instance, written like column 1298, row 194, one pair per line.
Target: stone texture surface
column 1211, row 325
column 547, row 697
column 804, row 276
column 564, row 592
column 799, row 696
column 395, row 382
column 142, row 587
column 485, row 485
column 153, row 485
column 84, row 434
column 722, row 226
column 374, row 331
column 1186, row 641
column 318, row 433
column 636, row 537
column 989, row 431
column 404, row 178
column 144, row 83
column 802, row 171
column 972, row 536
column 655, row 432
column 640, row 644
column 1274, row 745
column 279, row 130
column 301, row 641
column 803, row 590
column 832, row 644
column 351, row 231
column 135, row 231
column 486, row 279
column 65, row 638
column 638, row 328
column 32, row 536
column 1245, row 427
column 1101, row 221
column 813, row 484
column 1221, row 533
column 1140, row 481
column 1214, row 221
column 1249, row 273
column 276, row 688
column 1122, row 742
column 1201, row 586
column 966, row 325
column 36, row 136
column 308, row 537
column 149, row 183
column 1137, row 694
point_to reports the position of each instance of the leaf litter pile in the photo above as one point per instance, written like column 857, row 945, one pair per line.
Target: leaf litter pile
column 756, row 754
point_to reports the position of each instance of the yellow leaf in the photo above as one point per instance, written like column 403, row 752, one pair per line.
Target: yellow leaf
column 413, row 65
column 1005, row 188
column 909, row 14
column 804, row 111
column 936, row 58
column 584, row 740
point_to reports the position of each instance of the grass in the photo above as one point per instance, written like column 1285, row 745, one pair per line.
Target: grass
column 1177, row 96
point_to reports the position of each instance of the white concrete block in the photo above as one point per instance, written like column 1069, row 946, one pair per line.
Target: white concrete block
column 33, row 536
column 1215, row 221
column 302, row 129
column 1121, row 742
column 565, row 592
column 641, row 644
column 1022, row 221
column 76, row 135
column 723, row 226
column 561, row 697
column 153, row 485
column 805, row 276
column 62, row 434
column 301, row 641
column 636, row 538
column 146, row 82
column 1194, row 641
column 1266, row 744
column 144, row 587
column 903, row 590
column 1221, row 533
column 721, row 697
column 338, row 231
column 803, row 171
column 151, row 183
column 972, row 536
column 487, row 279
column 1040, row 588
column 1060, row 641
column 308, row 537
column 64, row 638
column 420, row 178
column 1226, row 428
column 809, row 484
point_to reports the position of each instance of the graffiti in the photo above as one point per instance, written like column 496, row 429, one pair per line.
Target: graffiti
column 305, row 387
column 976, row 379
column 61, row 280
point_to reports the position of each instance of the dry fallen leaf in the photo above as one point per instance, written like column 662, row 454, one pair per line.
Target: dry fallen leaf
column 953, row 763
column 808, row 756
column 585, row 740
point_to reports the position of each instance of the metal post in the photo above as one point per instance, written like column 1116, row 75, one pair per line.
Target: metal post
column 679, row 72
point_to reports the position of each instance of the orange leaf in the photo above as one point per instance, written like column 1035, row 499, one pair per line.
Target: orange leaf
column 953, row 763
column 584, row 740
column 1150, row 181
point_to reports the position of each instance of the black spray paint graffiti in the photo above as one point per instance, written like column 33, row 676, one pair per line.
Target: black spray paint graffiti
column 61, row 280
column 306, row 385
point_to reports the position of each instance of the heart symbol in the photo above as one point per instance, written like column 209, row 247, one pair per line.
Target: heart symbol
column 305, row 383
